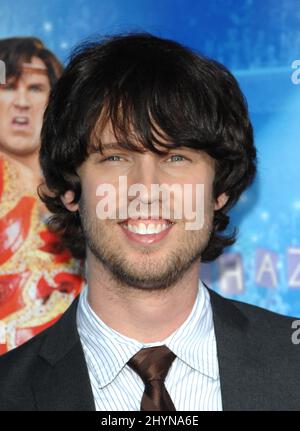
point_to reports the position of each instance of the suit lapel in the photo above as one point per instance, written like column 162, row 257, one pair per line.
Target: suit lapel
column 61, row 380
column 244, row 378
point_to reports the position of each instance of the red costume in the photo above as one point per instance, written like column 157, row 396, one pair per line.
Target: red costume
column 38, row 277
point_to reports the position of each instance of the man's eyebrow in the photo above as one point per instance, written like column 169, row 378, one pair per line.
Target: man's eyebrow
column 116, row 146
column 97, row 146
column 37, row 84
column 111, row 146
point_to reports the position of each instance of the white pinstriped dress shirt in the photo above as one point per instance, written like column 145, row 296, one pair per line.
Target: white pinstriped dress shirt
column 193, row 380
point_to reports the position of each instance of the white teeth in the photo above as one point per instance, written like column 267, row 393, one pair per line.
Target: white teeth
column 142, row 229
column 158, row 228
column 21, row 120
column 151, row 228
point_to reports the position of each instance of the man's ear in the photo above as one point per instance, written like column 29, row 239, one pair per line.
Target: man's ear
column 221, row 201
column 67, row 200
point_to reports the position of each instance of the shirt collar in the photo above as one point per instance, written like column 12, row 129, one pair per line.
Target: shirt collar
column 107, row 351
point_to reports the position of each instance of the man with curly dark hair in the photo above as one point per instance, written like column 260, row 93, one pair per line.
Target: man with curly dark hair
column 146, row 333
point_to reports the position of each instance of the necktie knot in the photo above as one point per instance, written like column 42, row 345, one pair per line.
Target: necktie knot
column 153, row 364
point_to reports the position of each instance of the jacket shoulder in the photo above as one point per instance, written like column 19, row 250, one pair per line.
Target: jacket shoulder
column 254, row 314
column 16, row 369
column 258, row 315
column 271, row 333
column 20, row 366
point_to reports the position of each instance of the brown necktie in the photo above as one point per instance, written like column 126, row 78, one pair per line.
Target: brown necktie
column 153, row 364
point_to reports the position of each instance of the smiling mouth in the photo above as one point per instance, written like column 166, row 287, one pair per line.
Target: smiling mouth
column 146, row 226
column 146, row 231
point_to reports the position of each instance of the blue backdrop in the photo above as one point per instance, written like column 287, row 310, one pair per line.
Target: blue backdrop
column 258, row 41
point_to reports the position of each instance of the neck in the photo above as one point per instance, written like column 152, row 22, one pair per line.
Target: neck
column 29, row 167
column 139, row 314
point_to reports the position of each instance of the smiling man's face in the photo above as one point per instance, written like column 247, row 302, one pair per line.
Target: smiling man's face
column 147, row 253
column 22, row 106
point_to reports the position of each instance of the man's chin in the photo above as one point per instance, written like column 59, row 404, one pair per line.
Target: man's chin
column 148, row 272
column 144, row 281
column 138, row 253
column 22, row 148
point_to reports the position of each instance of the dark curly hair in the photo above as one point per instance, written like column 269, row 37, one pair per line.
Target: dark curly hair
column 152, row 84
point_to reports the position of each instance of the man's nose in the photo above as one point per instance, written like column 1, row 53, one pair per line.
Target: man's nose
column 21, row 99
column 146, row 172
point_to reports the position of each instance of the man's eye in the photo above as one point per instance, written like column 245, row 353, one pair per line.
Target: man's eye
column 177, row 158
column 111, row 159
column 8, row 87
column 36, row 88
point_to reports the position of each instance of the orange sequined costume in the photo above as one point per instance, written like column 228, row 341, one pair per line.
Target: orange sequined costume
column 38, row 277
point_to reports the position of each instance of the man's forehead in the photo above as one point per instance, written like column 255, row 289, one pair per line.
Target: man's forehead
column 105, row 134
column 108, row 138
column 34, row 69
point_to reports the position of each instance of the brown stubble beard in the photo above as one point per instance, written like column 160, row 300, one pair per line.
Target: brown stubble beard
column 153, row 274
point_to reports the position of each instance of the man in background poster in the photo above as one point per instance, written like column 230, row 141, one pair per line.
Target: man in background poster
column 39, row 277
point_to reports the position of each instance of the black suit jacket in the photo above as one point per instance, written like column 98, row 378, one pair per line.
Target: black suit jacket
column 259, row 365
